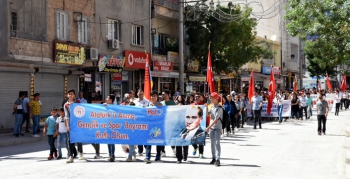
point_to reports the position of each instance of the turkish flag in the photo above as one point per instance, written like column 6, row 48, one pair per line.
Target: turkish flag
column 147, row 84
column 272, row 88
column 210, row 76
column 328, row 82
column 251, row 86
column 343, row 84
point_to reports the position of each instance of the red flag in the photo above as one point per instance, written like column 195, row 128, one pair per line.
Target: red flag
column 210, row 77
column 251, row 86
column 328, row 82
column 343, row 84
column 147, row 84
column 295, row 84
column 272, row 88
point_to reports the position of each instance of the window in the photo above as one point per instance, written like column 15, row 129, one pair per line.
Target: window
column 13, row 21
column 61, row 25
column 83, row 30
column 137, row 35
column 113, row 29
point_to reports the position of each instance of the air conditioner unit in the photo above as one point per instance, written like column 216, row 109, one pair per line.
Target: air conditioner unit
column 92, row 54
column 113, row 44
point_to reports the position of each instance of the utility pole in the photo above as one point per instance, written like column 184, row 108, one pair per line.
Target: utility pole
column 181, row 46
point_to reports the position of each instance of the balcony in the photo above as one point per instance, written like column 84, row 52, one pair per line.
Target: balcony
column 171, row 4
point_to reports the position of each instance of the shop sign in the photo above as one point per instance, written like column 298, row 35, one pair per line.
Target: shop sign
column 125, row 75
column 117, row 76
column 87, row 77
column 173, row 57
column 136, row 60
column 193, row 65
column 163, row 66
column 66, row 53
column 277, row 70
column 110, row 63
column 159, row 57
column 267, row 70
column 197, row 78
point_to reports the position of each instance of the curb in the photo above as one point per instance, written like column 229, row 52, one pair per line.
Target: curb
column 12, row 141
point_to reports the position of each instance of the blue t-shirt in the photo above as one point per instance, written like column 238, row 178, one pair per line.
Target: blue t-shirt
column 256, row 102
column 51, row 128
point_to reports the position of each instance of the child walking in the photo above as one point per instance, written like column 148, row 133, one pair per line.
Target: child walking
column 61, row 132
column 49, row 131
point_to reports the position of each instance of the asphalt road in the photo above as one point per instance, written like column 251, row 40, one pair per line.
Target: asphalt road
column 290, row 150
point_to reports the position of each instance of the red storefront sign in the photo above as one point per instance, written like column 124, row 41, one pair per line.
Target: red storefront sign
column 135, row 59
column 277, row 70
column 117, row 76
column 163, row 66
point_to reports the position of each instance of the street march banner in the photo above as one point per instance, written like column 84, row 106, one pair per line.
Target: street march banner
column 116, row 124
column 286, row 111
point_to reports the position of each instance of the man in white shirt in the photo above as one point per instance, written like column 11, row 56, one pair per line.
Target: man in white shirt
column 143, row 103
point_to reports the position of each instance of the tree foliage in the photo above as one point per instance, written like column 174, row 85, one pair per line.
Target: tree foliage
column 315, row 69
column 233, row 44
column 325, row 27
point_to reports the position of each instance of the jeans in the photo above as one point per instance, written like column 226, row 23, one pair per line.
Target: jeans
column 97, row 149
column 301, row 112
column 111, row 149
column 148, row 151
column 321, row 119
column 140, row 149
column 215, row 143
column 72, row 150
column 80, row 147
column 18, row 124
column 279, row 112
column 201, row 148
column 159, row 149
column 257, row 118
column 243, row 116
column 26, row 120
column 36, row 120
column 131, row 151
column 51, row 141
column 309, row 110
column 181, row 155
column 62, row 139
column 295, row 113
column 337, row 105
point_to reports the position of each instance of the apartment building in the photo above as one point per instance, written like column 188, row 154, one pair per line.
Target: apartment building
column 43, row 50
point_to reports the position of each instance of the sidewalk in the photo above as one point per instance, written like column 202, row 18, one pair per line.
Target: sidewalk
column 7, row 139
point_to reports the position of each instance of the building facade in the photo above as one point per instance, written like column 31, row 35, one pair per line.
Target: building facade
column 123, row 44
column 43, row 50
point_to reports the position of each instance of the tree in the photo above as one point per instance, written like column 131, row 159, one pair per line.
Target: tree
column 315, row 69
column 233, row 44
column 325, row 27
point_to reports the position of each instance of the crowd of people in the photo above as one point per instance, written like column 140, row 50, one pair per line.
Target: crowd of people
column 227, row 112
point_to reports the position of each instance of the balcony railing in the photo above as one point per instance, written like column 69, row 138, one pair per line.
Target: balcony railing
column 171, row 4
